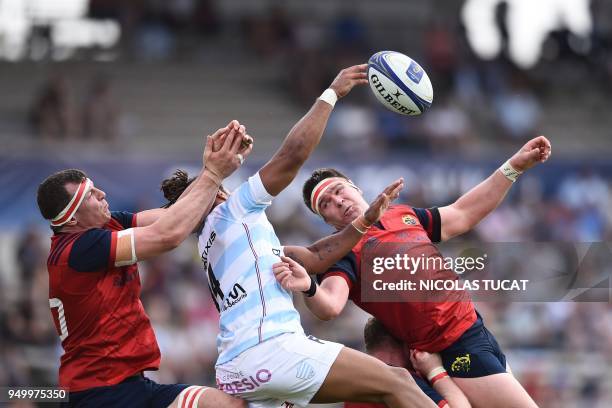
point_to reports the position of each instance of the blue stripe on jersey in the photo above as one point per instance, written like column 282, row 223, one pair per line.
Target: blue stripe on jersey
column 239, row 246
column 249, row 304
column 284, row 316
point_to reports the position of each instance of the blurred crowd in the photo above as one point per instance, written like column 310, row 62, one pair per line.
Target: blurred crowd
column 560, row 350
column 475, row 100
column 56, row 113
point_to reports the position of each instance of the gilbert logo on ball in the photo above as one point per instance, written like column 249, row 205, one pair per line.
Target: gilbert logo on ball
column 399, row 83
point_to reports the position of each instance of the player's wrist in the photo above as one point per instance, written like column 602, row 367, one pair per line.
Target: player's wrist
column 212, row 175
column 361, row 224
column 510, row 171
column 436, row 374
column 329, row 96
column 310, row 292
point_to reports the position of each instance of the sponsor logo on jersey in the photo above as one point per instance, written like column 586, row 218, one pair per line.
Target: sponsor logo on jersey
column 246, row 383
column 409, row 220
column 236, row 295
column 209, row 242
column 461, row 364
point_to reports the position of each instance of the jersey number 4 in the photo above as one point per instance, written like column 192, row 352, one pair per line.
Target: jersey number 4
column 61, row 319
column 215, row 288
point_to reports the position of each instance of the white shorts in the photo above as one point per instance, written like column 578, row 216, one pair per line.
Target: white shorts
column 284, row 371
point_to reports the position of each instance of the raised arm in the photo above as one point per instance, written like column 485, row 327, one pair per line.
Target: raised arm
column 148, row 217
column 306, row 134
column 178, row 222
column 476, row 204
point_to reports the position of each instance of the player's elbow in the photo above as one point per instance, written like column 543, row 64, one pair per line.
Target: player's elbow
column 329, row 313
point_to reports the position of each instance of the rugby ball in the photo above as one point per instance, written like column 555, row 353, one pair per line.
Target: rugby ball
column 399, row 83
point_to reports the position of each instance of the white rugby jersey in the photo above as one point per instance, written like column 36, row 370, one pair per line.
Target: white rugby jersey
column 238, row 246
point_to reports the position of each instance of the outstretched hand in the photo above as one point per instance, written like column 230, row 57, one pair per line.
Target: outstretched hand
column 348, row 78
column 291, row 275
column 224, row 153
column 381, row 203
column 535, row 151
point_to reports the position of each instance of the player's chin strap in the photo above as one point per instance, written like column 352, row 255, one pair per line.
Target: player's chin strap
column 321, row 188
column 71, row 208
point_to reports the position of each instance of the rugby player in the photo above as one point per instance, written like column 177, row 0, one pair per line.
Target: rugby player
column 264, row 355
column 425, row 368
column 470, row 353
column 94, row 285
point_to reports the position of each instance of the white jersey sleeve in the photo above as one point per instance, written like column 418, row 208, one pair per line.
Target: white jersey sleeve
column 250, row 197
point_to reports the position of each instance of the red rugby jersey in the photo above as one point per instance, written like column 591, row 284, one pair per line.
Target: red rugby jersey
column 96, row 308
column 428, row 326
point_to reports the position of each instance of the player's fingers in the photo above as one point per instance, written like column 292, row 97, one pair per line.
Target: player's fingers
column 357, row 68
column 229, row 140
column 289, row 261
column 391, row 187
column 283, row 275
column 219, row 132
column 357, row 75
column 235, row 147
column 286, row 283
column 208, row 147
column 280, row 265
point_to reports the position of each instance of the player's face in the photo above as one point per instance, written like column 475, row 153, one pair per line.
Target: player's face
column 341, row 204
column 94, row 211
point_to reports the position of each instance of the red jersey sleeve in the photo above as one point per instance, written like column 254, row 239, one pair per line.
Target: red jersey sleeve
column 430, row 220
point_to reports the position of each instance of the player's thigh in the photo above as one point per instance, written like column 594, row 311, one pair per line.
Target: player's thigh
column 205, row 397
column 497, row 390
column 356, row 376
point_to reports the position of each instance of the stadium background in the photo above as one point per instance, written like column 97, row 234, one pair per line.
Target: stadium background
column 126, row 90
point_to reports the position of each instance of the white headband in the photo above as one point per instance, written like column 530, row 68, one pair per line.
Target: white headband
column 321, row 187
column 71, row 208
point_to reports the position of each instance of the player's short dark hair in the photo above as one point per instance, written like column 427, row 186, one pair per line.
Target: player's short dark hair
column 52, row 196
column 173, row 186
column 375, row 336
column 314, row 179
